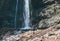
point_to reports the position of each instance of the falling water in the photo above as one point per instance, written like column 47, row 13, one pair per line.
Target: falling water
column 16, row 32
column 16, row 13
column 26, row 15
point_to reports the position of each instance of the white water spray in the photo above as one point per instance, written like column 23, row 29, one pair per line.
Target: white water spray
column 26, row 15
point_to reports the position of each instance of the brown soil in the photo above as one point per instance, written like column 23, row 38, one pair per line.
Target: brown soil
column 50, row 34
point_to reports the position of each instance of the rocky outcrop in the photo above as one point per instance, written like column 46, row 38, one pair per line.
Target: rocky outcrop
column 47, row 16
column 52, row 14
column 43, row 10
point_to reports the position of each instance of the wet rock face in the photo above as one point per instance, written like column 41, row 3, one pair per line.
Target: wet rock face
column 45, row 1
column 7, row 13
column 58, row 1
column 46, row 16
column 36, row 4
column 53, row 16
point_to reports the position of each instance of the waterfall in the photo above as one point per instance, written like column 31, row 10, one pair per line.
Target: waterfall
column 16, row 32
column 16, row 13
column 26, row 15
